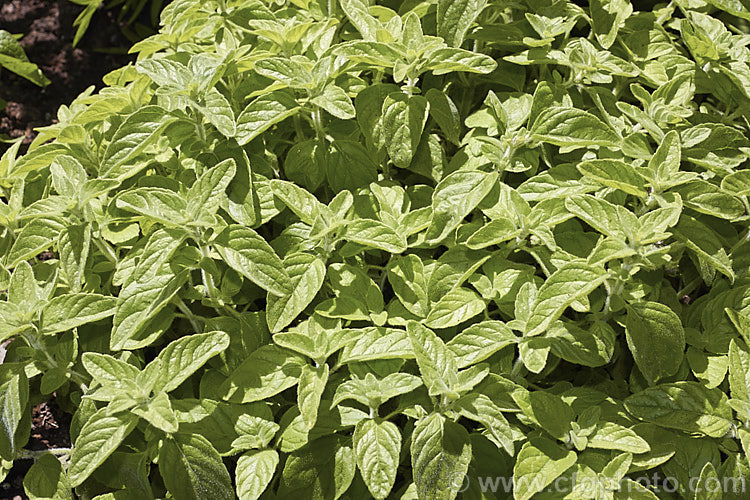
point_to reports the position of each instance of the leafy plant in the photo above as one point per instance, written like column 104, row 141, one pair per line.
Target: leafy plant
column 13, row 58
column 415, row 250
column 129, row 12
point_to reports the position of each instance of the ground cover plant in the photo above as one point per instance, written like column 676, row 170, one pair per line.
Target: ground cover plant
column 407, row 250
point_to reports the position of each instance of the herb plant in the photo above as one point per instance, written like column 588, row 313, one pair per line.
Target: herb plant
column 319, row 250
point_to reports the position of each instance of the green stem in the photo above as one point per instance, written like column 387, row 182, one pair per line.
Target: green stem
column 104, row 248
column 35, row 454
column 188, row 314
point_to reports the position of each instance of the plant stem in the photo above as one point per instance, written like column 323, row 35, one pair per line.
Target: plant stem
column 35, row 454
column 188, row 314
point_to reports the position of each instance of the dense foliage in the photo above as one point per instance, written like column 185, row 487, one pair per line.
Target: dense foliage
column 317, row 249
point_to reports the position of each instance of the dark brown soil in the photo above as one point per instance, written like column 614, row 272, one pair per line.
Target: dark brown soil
column 49, row 429
column 48, row 31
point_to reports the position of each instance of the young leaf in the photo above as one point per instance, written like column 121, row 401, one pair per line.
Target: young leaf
column 377, row 447
column 455, row 18
column 251, row 256
column 98, row 439
column 307, row 273
column 263, row 113
column 566, row 285
column 254, row 472
column 182, row 357
column 436, row 363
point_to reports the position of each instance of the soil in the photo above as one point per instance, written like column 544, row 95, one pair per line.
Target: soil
column 48, row 31
column 50, row 428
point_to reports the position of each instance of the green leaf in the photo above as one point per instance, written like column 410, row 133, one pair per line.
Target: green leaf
column 23, row 289
column 572, row 128
column 135, row 133
column 322, row 469
column 182, row 357
column 593, row 346
column 737, row 183
column 158, row 412
column 436, row 363
column 109, row 371
column 74, row 246
column 739, row 371
column 664, row 165
column 709, row 485
column 406, row 275
column 607, row 18
column 538, row 464
column 455, row 307
column 404, row 119
column 192, row 469
column 612, row 436
column 378, row 343
column 705, row 243
column 336, row 101
column 357, row 11
column 25, row 69
column 357, row 295
column 251, row 256
column 148, row 290
column 568, row 284
column 266, row 372
column 66, row 312
column 480, row 341
column 47, row 479
column 440, row 456
column 98, row 439
column 371, row 53
column 444, row 111
column 312, row 383
column 480, row 408
column 493, row 233
column 656, row 338
column 35, row 237
column 607, row 218
column 614, row 174
column 449, row 60
column 549, row 411
column 307, row 273
column 263, row 113
column 254, row 472
column 377, row 447
column 161, row 205
column 454, row 198
column 14, row 396
column 375, row 234
column 686, row 406
column 454, row 18
column 205, row 195
column 218, row 112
